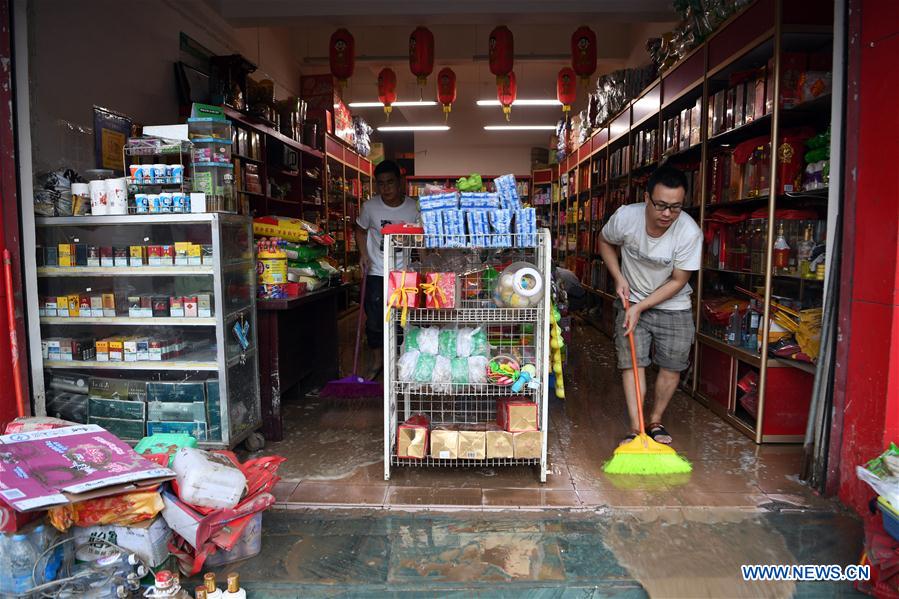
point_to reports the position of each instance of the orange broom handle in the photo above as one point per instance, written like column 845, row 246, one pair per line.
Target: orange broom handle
column 630, row 339
column 13, row 340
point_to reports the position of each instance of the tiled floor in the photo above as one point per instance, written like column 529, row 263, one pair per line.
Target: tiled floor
column 335, row 450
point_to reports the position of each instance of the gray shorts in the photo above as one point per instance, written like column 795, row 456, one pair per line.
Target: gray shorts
column 668, row 334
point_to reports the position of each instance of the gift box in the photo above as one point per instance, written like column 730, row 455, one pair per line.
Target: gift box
column 473, row 442
column 516, row 415
column 439, row 290
column 444, row 443
column 499, row 443
column 402, row 292
column 527, row 445
column 412, row 437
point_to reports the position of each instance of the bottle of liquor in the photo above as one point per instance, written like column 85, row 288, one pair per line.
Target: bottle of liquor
column 168, row 585
column 212, row 590
column 735, row 327
column 200, row 593
column 804, row 252
column 234, row 591
column 781, row 252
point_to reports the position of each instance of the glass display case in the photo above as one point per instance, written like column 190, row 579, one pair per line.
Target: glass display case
column 148, row 324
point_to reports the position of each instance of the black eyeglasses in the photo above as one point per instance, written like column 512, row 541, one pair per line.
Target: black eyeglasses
column 662, row 206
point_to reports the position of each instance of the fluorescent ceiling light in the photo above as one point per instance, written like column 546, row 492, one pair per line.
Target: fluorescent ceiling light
column 414, row 128
column 521, row 103
column 519, row 127
column 399, row 104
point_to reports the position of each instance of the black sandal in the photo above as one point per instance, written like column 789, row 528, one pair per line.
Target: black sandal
column 658, row 433
column 630, row 437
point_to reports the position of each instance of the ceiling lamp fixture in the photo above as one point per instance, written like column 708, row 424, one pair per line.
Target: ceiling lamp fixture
column 522, row 102
column 396, row 128
column 519, row 127
column 397, row 104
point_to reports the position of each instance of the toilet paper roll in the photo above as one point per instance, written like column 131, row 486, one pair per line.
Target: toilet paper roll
column 522, row 284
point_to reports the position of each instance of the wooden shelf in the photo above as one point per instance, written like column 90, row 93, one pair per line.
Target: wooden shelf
column 263, row 127
column 737, row 352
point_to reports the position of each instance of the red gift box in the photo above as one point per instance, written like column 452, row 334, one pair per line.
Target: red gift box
column 402, row 292
column 516, row 415
column 439, row 290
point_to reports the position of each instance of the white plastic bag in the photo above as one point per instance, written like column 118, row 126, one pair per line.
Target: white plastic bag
column 443, row 371
column 477, row 369
column 406, row 365
column 428, row 340
column 463, row 342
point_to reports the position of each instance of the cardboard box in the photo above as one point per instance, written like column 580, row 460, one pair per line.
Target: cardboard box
column 190, row 306
column 182, row 253
column 66, row 254
column 108, row 302
column 137, row 255
column 162, row 411
column 96, row 306
column 213, row 410
column 148, row 539
column 62, row 306
column 176, row 307
column 51, row 256
column 102, row 349
column 93, row 255
column 204, row 306
column 194, row 254
column 516, row 415
column 74, row 302
column 499, row 443
column 527, row 445
column 50, row 306
column 123, row 389
column 128, row 430
column 473, row 444
column 80, row 254
column 444, row 444
column 412, row 437
column 117, row 408
column 106, row 256
column 176, row 392
column 121, row 256
column 116, row 349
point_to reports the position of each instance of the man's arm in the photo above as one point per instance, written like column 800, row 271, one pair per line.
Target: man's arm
column 666, row 291
column 609, row 255
column 362, row 243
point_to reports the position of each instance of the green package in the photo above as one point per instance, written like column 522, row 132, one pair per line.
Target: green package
column 303, row 253
column 460, row 371
column 424, row 370
column 412, row 334
column 447, row 343
column 479, row 345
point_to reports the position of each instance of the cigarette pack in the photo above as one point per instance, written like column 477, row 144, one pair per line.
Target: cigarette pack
column 108, row 301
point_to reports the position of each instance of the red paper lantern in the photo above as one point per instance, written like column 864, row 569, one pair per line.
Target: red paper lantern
column 387, row 89
column 506, row 92
column 421, row 54
column 583, row 52
column 501, row 51
column 342, row 55
column 566, row 88
column 446, row 90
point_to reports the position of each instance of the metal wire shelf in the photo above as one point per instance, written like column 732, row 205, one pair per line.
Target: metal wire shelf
column 469, row 390
column 463, row 462
column 472, row 315
column 466, row 242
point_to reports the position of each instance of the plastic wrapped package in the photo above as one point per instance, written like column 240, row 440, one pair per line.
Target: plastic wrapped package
column 477, row 369
column 478, row 228
column 501, row 228
column 432, row 221
column 460, row 371
column 443, row 371
column 439, row 201
column 424, row 368
column 448, row 343
column 472, row 342
column 478, row 200
column 507, row 190
column 125, row 509
column 410, row 341
column 406, row 365
column 428, row 340
column 526, row 227
column 453, row 228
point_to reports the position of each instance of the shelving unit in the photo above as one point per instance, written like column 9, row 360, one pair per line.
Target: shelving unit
column 196, row 352
column 611, row 168
column 512, row 331
column 415, row 183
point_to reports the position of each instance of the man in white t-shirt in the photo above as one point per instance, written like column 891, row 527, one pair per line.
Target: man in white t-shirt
column 659, row 246
column 390, row 206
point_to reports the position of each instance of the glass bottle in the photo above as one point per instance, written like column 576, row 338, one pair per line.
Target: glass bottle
column 234, row 591
column 781, row 251
column 200, row 593
column 804, row 252
column 735, row 327
column 212, row 589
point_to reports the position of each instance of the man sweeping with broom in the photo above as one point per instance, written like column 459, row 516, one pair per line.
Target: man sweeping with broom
column 659, row 246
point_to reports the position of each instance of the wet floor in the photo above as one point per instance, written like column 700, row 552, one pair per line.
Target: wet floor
column 667, row 552
column 335, row 448
column 341, row 530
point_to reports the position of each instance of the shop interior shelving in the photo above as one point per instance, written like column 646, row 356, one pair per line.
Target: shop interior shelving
column 209, row 354
column 545, row 194
column 612, row 167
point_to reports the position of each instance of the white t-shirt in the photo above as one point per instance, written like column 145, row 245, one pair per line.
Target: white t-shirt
column 647, row 262
column 376, row 214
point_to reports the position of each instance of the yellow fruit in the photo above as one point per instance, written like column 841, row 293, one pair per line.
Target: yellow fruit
column 554, row 343
column 557, row 368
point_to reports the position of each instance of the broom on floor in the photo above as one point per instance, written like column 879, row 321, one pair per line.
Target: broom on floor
column 354, row 385
column 643, row 455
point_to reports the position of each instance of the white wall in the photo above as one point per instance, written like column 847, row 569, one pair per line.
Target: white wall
column 100, row 52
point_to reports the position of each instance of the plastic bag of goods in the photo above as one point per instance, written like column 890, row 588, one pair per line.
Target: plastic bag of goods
column 406, row 364
column 443, row 372
column 460, row 371
column 501, row 228
column 432, row 221
column 453, row 228
column 472, row 342
column 447, row 343
column 207, row 480
column 126, row 509
column 477, row 369
column 424, row 368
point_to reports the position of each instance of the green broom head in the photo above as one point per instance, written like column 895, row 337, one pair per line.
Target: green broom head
column 645, row 456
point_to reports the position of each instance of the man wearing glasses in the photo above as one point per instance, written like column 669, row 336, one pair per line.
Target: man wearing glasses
column 390, row 206
column 659, row 246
